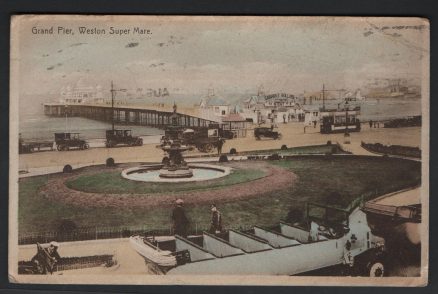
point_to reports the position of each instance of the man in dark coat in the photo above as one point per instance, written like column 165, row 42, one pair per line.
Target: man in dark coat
column 220, row 143
column 179, row 218
column 216, row 220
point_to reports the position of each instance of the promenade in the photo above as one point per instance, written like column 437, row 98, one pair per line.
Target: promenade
column 293, row 136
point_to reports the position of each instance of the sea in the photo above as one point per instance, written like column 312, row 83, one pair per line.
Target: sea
column 34, row 125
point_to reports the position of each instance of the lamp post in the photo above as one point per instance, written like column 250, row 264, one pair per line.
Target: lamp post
column 113, row 96
column 346, row 134
column 66, row 116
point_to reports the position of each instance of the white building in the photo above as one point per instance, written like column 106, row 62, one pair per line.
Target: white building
column 81, row 93
column 214, row 108
column 312, row 115
column 274, row 108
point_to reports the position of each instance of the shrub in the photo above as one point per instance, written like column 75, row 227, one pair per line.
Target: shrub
column 233, row 151
column 66, row 226
column 334, row 149
column 67, row 169
column 283, row 147
column 165, row 160
column 126, row 233
column 223, row 158
column 274, row 156
column 336, row 199
column 110, row 162
column 329, row 143
column 294, row 215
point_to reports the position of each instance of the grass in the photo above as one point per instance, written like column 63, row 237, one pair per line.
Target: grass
column 319, row 177
column 114, row 183
column 314, row 149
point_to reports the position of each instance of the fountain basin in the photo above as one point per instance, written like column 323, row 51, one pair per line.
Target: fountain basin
column 173, row 173
column 151, row 173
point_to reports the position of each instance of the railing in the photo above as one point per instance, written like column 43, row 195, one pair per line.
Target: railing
column 70, row 263
column 97, row 233
column 398, row 150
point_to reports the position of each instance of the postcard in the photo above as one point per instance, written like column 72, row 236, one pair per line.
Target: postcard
column 219, row 150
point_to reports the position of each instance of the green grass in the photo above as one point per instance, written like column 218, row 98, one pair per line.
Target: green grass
column 114, row 183
column 315, row 149
column 318, row 178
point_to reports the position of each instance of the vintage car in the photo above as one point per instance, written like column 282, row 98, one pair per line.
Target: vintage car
column 66, row 141
column 288, row 249
column 121, row 137
column 265, row 132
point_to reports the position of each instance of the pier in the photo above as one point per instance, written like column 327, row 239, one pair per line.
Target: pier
column 125, row 114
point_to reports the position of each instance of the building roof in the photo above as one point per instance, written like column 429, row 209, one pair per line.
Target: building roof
column 216, row 101
column 233, row 117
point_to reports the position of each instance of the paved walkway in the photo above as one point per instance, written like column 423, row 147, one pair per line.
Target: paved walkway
column 129, row 262
column 293, row 136
column 39, row 171
column 356, row 148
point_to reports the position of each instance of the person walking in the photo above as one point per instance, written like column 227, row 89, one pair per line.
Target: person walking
column 180, row 220
column 220, row 143
column 216, row 220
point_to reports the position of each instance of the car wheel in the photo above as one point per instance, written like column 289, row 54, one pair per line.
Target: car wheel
column 208, row 147
column 376, row 269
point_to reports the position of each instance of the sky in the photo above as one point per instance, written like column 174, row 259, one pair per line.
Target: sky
column 229, row 54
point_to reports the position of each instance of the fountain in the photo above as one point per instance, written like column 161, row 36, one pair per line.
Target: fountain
column 173, row 167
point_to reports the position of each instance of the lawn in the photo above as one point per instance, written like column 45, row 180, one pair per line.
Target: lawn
column 319, row 177
column 114, row 183
column 314, row 149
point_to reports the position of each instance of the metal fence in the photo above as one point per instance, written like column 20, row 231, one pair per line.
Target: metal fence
column 96, row 233
column 70, row 263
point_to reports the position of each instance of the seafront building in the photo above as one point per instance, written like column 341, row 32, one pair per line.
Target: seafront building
column 81, row 93
column 274, row 108
column 214, row 107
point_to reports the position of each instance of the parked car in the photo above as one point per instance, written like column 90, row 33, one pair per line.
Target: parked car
column 66, row 141
column 265, row 132
column 123, row 137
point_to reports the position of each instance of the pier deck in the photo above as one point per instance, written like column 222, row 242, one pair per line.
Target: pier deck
column 144, row 115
